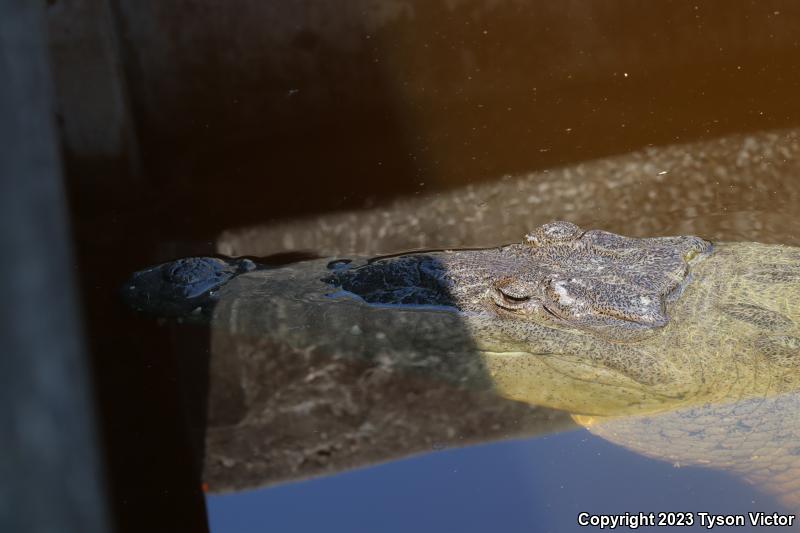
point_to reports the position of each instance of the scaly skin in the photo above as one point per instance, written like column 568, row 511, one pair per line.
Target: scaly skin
column 729, row 362
column 732, row 334
column 669, row 346
column 744, row 363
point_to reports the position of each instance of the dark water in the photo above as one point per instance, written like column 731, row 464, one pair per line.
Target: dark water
column 254, row 113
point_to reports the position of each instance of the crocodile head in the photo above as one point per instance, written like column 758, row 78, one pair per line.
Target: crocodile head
column 581, row 306
column 606, row 284
column 562, row 277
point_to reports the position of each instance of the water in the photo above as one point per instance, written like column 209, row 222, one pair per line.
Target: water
column 725, row 409
column 529, row 485
column 338, row 130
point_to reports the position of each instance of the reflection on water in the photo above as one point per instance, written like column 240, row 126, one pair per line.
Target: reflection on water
column 738, row 188
column 325, row 365
column 488, row 115
column 538, row 485
column 714, row 388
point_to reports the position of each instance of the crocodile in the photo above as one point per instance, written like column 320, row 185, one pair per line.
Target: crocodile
column 676, row 347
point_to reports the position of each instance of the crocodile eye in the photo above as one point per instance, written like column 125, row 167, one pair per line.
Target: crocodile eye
column 513, row 298
column 505, row 297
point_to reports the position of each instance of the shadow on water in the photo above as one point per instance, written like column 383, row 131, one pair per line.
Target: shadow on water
column 324, row 366
column 252, row 111
column 326, row 378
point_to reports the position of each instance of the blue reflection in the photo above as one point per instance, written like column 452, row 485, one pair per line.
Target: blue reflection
column 530, row 486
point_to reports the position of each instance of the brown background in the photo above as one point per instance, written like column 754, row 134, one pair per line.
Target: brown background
column 181, row 119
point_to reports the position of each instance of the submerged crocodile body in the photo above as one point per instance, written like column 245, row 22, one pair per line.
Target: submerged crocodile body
column 672, row 346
